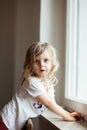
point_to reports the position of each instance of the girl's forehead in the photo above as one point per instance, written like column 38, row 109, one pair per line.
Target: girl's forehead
column 45, row 54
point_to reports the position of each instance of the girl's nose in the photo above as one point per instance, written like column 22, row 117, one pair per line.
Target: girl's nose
column 41, row 63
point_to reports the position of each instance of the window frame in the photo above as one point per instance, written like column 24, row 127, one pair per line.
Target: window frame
column 72, row 41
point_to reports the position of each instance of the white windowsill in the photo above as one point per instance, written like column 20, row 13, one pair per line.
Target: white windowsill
column 64, row 125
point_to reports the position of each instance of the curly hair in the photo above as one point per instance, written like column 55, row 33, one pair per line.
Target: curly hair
column 36, row 49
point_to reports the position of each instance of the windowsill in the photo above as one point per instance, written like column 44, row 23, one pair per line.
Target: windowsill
column 63, row 125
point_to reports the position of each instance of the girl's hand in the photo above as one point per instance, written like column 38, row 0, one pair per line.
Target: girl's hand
column 76, row 115
column 69, row 118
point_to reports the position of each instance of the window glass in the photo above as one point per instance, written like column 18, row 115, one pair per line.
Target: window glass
column 76, row 51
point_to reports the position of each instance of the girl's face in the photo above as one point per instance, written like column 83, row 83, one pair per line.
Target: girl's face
column 43, row 65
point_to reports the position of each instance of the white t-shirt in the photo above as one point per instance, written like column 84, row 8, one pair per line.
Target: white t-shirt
column 24, row 104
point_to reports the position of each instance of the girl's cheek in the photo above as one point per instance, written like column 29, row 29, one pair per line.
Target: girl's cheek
column 35, row 67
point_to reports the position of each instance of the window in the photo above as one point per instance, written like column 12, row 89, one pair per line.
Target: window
column 76, row 53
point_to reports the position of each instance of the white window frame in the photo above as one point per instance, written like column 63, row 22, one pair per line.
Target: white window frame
column 72, row 42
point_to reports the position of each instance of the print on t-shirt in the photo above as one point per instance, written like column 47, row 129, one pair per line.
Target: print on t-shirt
column 38, row 105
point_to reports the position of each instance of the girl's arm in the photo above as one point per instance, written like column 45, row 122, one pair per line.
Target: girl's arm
column 52, row 106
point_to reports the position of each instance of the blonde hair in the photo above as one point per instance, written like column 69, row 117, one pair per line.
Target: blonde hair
column 35, row 49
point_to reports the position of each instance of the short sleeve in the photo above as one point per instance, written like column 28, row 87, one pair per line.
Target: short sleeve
column 52, row 93
column 36, row 87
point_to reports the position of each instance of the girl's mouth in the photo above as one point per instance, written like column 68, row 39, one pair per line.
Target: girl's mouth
column 42, row 70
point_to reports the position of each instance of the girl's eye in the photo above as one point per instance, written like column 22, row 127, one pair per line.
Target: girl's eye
column 46, row 60
column 37, row 61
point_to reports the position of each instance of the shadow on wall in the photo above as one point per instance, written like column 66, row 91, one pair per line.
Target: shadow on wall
column 19, row 25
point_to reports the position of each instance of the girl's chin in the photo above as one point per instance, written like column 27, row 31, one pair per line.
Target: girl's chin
column 42, row 77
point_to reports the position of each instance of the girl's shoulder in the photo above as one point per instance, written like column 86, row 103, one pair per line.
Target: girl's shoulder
column 35, row 81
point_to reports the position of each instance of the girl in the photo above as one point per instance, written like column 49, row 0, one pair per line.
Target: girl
column 36, row 92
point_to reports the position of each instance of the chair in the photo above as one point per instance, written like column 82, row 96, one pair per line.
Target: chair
column 28, row 125
column 32, row 124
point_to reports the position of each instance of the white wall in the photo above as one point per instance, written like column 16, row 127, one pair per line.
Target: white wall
column 52, row 30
